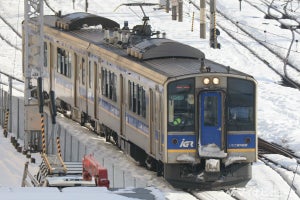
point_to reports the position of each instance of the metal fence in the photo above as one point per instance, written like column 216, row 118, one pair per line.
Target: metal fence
column 73, row 148
column 11, row 104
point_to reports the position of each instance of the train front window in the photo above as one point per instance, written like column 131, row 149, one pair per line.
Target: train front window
column 211, row 111
column 241, row 105
column 181, row 106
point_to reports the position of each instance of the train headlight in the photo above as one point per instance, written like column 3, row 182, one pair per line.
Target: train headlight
column 216, row 81
column 206, row 81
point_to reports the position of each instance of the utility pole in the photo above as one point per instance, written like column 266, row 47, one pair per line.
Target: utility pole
column 202, row 19
column 174, row 9
column 214, row 32
column 167, row 6
column 33, row 67
column 86, row 5
column 180, row 10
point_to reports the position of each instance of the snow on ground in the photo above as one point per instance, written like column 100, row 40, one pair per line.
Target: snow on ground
column 11, row 163
column 278, row 119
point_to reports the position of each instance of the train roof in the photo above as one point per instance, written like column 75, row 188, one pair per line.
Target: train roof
column 152, row 52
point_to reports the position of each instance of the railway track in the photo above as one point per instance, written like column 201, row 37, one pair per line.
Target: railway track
column 243, row 34
column 266, row 151
column 282, row 19
column 265, row 147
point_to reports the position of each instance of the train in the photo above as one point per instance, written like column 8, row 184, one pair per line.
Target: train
column 190, row 119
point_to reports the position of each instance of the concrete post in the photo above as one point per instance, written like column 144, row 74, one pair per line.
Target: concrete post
column 202, row 19
column 180, row 11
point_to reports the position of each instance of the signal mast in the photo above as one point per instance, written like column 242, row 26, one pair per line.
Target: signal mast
column 32, row 69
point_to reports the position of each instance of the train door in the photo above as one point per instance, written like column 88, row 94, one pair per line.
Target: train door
column 95, row 86
column 210, row 118
column 152, row 124
column 52, row 66
column 158, row 121
column 76, row 80
column 83, row 85
column 122, row 106
column 90, row 97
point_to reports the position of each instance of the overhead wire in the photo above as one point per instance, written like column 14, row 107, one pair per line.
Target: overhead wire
column 15, row 56
column 278, row 46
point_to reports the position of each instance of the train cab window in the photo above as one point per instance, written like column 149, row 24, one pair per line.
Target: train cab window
column 240, row 102
column 181, row 105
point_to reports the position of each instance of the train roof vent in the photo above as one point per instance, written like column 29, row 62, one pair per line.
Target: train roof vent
column 75, row 21
column 165, row 48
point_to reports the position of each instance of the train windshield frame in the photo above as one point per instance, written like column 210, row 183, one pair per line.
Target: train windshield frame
column 181, row 105
column 240, row 105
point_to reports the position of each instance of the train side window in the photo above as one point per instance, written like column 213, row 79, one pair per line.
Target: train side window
column 58, row 60
column 130, row 92
column 62, row 61
column 104, row 82
column 83, row 71
column 134, row 97
column 137, row 99
column 90, row 75
column 143, row 103
column 69, row 70
column 114, row 92
column 45, row 54
column 109, row 84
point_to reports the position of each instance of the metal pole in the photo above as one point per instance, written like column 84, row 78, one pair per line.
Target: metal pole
column 180, row 11
column 33, row 64
column 168, row 6
column 174, row 12
column 202, row 19
column 193, row 17
column 10, row 104
column 2, row 107
column 86, row 5
column 213, row 25
column 18, row 120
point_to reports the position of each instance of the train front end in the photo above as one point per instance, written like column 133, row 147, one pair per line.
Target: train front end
column 211, row 137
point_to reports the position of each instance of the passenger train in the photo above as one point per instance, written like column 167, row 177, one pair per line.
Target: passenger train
column 190, row 119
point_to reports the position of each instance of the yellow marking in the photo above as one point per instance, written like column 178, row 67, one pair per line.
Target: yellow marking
column 181, row 150
column 240, row 150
